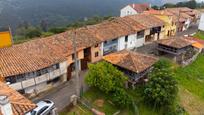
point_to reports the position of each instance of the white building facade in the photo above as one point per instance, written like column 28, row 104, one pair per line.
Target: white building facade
column 201, row 23
column 40, row 80
column 125, row 42
column 128, row 10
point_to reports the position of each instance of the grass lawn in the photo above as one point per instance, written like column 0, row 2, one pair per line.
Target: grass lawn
column 192, row 77
column 199, row 35
column 191, row 85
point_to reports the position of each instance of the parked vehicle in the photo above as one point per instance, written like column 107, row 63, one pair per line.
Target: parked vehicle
column 44, row 107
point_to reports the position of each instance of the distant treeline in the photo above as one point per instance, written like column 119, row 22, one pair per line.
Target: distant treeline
column 25, row 31
column 190, row 4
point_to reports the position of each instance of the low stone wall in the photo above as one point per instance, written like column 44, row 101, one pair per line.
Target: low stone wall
column 189, row 61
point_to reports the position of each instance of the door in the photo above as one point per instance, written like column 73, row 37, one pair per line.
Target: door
column 69, row 72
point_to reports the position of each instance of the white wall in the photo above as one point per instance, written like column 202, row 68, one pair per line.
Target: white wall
column 201, row 24
column 132, row 42
column 187, row 24
column 30, row 83
column 128, row 10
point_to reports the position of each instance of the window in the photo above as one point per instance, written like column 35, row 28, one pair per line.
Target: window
column 11, row 79
column 73, row 56
column 38, row 73
column 96, row 54
column 56, row 66
column 128, row 12
column 30, row 75
column 114, row 40
column 140, row 34
column 126, row 38
column 21, row 91
column 44, row 71
column 20, row 78
column 42, row 110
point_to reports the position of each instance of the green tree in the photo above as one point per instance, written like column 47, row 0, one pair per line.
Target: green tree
column 191, row 4
column 161, row 89
column 105, row 77
column 156, row 7
column 110, row 80
column 169, row 5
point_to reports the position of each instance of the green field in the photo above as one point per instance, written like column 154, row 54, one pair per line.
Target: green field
column 192, row 77
column 199, row 35
column 191, row 83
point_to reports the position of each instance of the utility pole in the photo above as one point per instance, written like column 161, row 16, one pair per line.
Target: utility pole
column 76, row 64
column 178, row 20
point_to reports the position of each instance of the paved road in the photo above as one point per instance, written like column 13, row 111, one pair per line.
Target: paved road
column 61, row 94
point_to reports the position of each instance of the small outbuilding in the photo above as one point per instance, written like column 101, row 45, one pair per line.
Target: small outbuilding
column 179, row 49
column 135, row 65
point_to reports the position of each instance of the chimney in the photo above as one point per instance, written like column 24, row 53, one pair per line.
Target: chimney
column 5, row 105
column 133, row 5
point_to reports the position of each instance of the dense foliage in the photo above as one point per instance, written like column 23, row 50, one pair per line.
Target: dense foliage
column 163, row 63
column 26, row 31
column 110, row 80
column 190, row 4
column 161, row 89
column 57, row 30
column 105, row 76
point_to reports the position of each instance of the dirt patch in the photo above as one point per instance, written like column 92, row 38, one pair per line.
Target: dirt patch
column 192, row 104
column 99, row 102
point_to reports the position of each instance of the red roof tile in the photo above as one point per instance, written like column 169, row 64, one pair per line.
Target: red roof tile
column 176, row 42
column 20, row 105
column 140, row 7
column 132, row 61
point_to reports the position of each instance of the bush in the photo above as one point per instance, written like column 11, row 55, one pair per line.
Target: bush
column 161, row 89
column 121, row 98
column 163, row 63
column 110, row 80
column 105, row 76
column 173, row 110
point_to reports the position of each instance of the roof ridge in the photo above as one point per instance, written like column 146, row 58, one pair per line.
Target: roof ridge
column 132, row 58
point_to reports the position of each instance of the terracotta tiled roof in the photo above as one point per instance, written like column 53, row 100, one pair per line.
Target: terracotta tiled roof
column 130, row 23
column 132, row 61
column 176, row 42
column 110, row 30
column 183, row 12
column 196, row 39
column 148, row 21
column 158, row 12
column 20, row 105
column 140, row 7
column 40, row 53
